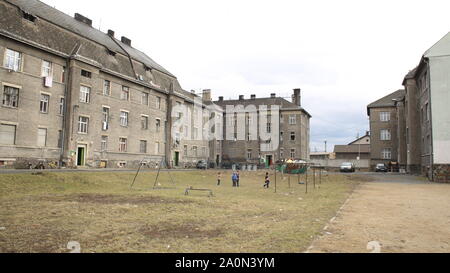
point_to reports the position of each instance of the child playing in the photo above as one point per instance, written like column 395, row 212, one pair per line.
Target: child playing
column 266, row 181
column 234, row 179
column 218, row 179
column 237, row 179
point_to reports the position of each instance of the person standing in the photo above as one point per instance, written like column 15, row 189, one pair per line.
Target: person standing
column 266, row 181
column 234, row 179
column 219, row 176
column 237, row 179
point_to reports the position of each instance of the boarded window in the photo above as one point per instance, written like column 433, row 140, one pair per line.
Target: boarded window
column 7, row 134
column 42, row 137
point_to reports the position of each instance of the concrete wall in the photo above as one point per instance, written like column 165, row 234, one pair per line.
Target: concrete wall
column 336, row 163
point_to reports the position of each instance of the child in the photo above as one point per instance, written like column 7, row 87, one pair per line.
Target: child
column 237, row 179
column 234, row 179
column 266, row 181
column 218, row 179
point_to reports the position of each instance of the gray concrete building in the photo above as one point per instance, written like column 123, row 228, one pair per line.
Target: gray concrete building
column 384, row 129
column 75, row 95
column 291, row 125
column 427, row 115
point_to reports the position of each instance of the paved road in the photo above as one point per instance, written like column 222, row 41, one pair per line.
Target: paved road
column 400, row 213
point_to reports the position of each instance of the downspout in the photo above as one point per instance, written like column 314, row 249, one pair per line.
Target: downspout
column 431, row 118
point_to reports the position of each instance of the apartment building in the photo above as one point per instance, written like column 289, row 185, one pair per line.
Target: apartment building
column 75, row 95
column 427, row 115
column 291, row 125
column 384, row 129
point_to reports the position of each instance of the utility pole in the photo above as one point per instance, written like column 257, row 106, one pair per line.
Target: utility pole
column 326, row 146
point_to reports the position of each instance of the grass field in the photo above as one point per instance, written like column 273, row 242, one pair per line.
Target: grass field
column 42, row 213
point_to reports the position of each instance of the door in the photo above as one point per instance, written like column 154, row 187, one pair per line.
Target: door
column 81, row 155
column 217, row 160
column 177, row 159
column 268, row 161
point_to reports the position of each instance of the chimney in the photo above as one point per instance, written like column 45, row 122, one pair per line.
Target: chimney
column 273, row 95
column 220, row 98
column 111, row 33
column 207, row 95
column 126, row 41
column 83, row 19
column 296, row 97
column 253, row 97
column 241, row 97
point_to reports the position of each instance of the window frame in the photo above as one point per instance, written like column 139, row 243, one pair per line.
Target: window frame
column 44, row 104
column 85, row 97
column 83, row 124
column 18, row 59
column 13, row 99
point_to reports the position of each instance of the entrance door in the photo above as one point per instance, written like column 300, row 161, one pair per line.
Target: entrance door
column 177, row 159
column 217, row 160
column 81, row 155
column 268, row 161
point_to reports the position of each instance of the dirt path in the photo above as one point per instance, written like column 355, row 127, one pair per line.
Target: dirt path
column 401, row 213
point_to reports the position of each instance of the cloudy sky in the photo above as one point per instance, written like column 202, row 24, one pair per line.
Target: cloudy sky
column 342, row 54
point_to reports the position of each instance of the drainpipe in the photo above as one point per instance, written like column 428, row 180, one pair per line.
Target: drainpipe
column 431, row 118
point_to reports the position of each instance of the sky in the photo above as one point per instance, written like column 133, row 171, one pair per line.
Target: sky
column 343, row 54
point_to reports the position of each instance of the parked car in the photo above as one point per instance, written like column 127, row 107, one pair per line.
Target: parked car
column 348, row 167
column 202, row 164
column 381, row 168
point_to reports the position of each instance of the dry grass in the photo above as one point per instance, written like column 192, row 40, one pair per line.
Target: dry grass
column 42, row 213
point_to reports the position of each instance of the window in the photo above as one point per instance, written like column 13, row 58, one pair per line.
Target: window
column 86, row 74
column 28, row 17
column 292, row 136
column 158, row 103
column 157, row 148
column 85, row 94
column 62, row 102
column 42, row 137
column 427, row 113
column 385, row 116
column 60, row 139
column 185, row 150
column 63, row 74
column 107, row 88
column 144, row 98
column 386, row 153
column 194, row 151
column 385, row 135
column 105, row 119
column 144, row 122
column 43, row 106
column 158, row 125
column 282, row 153
column 104, row 144
column 125, row 95
column 292, row 153
column 47, row 70
column 11, row 96
column 292, row 120
column 7, row 134
column 281, row 136
column 123, row 144
column 195, row 133
column 269, row 128
column 83, row 125
column 143, row 147
column 249, row 154
column 186, row 131
column 123, row 118
column 249, row 136
column 13, row 60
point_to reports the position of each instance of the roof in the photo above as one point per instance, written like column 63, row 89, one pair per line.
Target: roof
column 363, row 148
column 361, row 138
column 283, row 103
column 387, row 101
column 411, row 75
column 92, row 43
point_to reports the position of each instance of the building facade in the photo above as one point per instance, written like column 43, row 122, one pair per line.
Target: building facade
column 77, row 97
column 384, row 131
column 290, row 126
column 427, row 116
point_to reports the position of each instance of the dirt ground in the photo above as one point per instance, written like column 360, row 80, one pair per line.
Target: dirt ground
column 400, row 214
